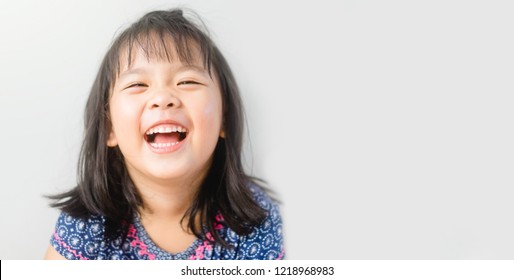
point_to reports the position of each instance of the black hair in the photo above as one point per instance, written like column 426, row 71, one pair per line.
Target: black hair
column 104, row 186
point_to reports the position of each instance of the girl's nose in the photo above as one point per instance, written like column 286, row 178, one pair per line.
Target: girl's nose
column 164, row 99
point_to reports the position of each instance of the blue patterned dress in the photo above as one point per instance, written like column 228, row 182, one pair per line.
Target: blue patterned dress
column 85, row 239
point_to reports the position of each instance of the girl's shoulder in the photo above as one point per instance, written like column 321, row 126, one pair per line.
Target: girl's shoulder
column 263, row 198
column 87, row 238
column 78, row 238
column 266, row 240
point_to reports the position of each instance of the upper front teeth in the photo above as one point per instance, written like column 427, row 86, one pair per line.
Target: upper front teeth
column 167, row 129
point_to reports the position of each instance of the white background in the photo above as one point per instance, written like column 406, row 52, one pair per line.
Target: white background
column 386, row 127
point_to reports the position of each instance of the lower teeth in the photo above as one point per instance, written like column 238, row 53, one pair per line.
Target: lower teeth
column 163, row 145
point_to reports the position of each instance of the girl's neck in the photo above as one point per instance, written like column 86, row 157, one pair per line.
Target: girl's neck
column 167, row 199
column 165, row 204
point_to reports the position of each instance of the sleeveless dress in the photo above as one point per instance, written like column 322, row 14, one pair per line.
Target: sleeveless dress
column 78, row 239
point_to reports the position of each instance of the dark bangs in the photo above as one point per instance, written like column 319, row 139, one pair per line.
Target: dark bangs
column 162, row 36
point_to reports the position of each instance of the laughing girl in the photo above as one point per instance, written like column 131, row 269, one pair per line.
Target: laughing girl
column 160, row 173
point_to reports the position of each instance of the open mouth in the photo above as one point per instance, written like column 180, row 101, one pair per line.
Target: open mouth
column 163, row 136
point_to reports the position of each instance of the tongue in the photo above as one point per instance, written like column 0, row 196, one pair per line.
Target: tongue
column 171, row 137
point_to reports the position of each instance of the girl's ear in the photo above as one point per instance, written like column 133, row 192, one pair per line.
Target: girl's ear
column 112, row 141
column 222, row 131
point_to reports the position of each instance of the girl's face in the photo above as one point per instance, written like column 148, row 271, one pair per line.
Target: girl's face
column 166, row 118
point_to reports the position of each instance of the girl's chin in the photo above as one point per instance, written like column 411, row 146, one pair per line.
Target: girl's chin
column 167, row 175
column 173, row 174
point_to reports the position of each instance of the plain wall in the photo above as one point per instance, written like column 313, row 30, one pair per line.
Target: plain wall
column 386, row 127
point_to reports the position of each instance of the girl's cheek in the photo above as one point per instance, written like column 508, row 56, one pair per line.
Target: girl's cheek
column 129, row 106
column 211, row 107
column 125, row 114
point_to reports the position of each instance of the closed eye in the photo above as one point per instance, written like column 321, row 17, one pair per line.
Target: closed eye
column 189, row 82
column 135, row 85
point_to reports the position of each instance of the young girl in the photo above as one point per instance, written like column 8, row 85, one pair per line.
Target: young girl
column 160, row 172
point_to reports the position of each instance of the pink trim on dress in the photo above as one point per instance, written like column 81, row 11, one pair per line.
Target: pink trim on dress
column 200, row 250
column 219, row 219
column 139, row 243
column 65, row 246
